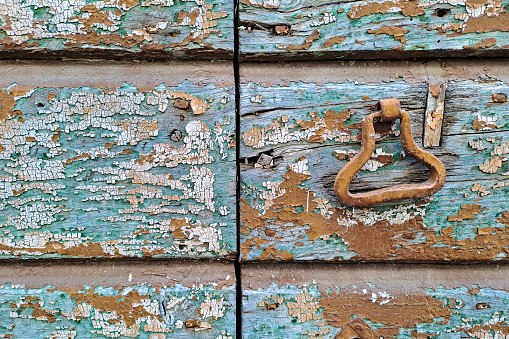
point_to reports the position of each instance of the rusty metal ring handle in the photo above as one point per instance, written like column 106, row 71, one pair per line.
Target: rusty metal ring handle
column 390, row 110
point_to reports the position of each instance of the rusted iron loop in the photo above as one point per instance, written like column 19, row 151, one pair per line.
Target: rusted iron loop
column 390, row 110
column 356, row 329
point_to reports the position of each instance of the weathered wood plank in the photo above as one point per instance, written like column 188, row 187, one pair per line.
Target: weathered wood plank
column 308, row 301
column 307, row 132
column 105, row 300
column 434, row 115
column 181, row 29
column 140, row 162
column 281, row 29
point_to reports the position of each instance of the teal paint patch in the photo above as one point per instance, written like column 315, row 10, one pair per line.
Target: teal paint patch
column 89, row 172
column 308, row 131
column 278, row 311
column 138, row 311
column 394, row 28
column 286, row 311
column 131, row 25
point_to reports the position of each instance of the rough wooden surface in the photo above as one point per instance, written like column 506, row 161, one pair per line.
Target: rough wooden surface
column 105, row 300
column 310, row 129
column 316, row 301
column 192, row 29
column 124, row 165
column 283, row 29
column 434, row 115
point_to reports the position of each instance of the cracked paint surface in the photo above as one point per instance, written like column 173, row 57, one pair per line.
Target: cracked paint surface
column 117, row 172
column 446, row 27
column 128, row 25
column 137, row 311
column 313, row 311
column 289, row 210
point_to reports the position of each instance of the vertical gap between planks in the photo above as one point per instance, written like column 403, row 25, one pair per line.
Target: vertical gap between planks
column 236, row 73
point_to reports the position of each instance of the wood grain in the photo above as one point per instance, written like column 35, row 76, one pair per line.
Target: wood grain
column 397, row 301
column 111, row 169
column 434, row 115
column 289, row 210
column 105, row 300
column 310, row 29
column 113, row 29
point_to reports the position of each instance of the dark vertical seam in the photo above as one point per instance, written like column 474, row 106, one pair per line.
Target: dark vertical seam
column 238, row 277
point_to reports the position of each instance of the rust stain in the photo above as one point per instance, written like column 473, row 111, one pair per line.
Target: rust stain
column 334, row 40
column 486, row 42
column 479, row 124
column 281, row 29
column 466, row 212
column 269, row 4
column 504, row 218
column 306, row 45
column 398, row 32
column 488, row 23
column 356, row 328
column 94, row 39
column 122, row 305
column 373, row 238
column 491, row 166
column 192, row 16
column 43, row 315
column 7, row 103
column 272, row 253
column 395, row 312
column 181, row 104
column 499, row 98
column 78, row 157
column 410, row 8
column 329, row 127
column 380, row 159
column 197, row 325
column 37, row 313
column 435, row 89
column 407, row 7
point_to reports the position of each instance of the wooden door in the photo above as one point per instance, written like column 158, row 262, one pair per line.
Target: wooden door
column 428, row 267
column 151, row 193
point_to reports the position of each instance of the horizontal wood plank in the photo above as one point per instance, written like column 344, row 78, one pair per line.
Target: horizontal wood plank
column 112, row 29
column 310, row 29
column 127, row 300
column 120, row 165
column 296, row 136
column 313, row 300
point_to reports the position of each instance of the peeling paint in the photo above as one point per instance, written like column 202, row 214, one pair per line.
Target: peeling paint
column 422, row 313
column 289, row 211
column 136, row 311
column 160, row 25
column 78, row 162
column 424, row 27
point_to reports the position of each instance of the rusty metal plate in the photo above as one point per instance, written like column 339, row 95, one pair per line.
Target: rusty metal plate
column 300, row 125
column 321, row 300
column 105, row 300
column 117, row 160
column 130, row 28
column 321, row 29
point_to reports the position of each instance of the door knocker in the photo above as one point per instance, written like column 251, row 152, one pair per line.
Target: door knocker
column 390, row 110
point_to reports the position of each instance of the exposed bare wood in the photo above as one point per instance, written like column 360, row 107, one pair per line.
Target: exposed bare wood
column 434, row 115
